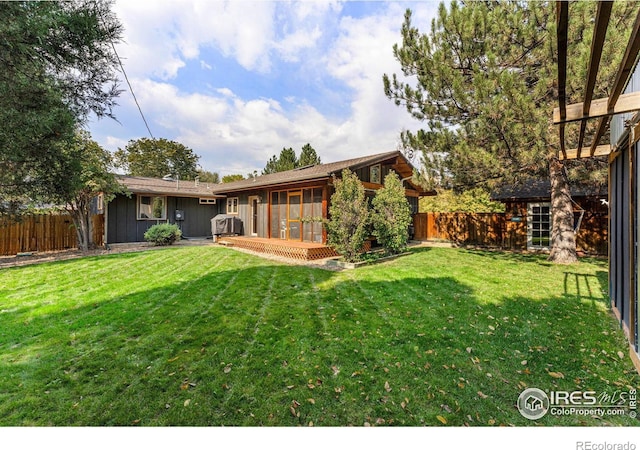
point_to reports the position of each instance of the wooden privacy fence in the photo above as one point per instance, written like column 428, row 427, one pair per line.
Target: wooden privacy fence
column 468, row 228
column 43, row 233
column 496, row 230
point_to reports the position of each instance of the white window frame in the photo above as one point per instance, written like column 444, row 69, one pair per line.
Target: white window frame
column 100, row 203
column 232, row 205
column 531, row 220
column 207, row 201
column 140, row 207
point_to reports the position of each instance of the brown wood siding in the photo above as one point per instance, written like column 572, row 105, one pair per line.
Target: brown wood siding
column 43, row 233
column 509, row 230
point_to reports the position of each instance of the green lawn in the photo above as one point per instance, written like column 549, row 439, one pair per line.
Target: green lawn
column 210, row 336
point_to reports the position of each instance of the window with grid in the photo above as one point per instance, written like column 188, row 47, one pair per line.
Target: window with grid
column 539, row 226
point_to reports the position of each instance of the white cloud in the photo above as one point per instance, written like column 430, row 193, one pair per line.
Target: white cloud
column 237, row 133
column 291, row 45
column 361, row 54
column 161, row 38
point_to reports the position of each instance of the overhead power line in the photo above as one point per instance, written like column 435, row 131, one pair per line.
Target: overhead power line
column 131, row 90
column 124, row 72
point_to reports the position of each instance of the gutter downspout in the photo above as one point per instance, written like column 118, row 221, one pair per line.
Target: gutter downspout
column 106, row 225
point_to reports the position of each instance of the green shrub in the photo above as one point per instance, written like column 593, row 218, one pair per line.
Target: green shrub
column 347, row 229
column 391, row 215
column 163, row 234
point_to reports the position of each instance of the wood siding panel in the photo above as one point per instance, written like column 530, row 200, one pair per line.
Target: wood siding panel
column 197, row 217
column 123, row 225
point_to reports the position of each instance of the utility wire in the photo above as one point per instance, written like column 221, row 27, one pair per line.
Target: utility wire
column 135, row 99
column 131, row 90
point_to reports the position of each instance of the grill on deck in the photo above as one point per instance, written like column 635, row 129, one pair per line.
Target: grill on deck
column 225, row 224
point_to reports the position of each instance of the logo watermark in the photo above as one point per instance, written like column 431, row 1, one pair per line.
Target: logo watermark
column 534, row 403
column 588, row 445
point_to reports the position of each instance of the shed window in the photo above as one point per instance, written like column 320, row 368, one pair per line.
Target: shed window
column 232, row 205
column 539, row 226
column 152, row 207
column 374, row 174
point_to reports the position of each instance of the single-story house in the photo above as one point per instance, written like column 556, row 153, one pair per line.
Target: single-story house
column 286, row 205
column 152, row 201
column 528, row 216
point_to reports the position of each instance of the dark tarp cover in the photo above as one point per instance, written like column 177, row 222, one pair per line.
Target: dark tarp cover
column 226, row 224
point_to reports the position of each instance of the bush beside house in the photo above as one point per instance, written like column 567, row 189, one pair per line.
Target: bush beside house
column 391, row 215
column 347, row 229
column 163, row 234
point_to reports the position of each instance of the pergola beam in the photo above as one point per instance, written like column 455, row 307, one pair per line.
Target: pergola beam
column 628, row 60
column 599, row 108
column 574, row 153
column 562, row 13
column 602, row 23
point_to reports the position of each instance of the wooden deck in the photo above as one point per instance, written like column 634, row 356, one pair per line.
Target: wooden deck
column 306, row 251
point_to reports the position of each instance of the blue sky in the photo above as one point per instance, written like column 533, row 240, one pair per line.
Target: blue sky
column 237, row 81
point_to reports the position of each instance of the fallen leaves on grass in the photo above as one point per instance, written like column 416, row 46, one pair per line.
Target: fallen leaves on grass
column 293, row 409
column 442, row 419
column 556, row 374
column 186, row 384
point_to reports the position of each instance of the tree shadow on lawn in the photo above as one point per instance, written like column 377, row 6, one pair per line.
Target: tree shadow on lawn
column 281, row 345
column 524, row 257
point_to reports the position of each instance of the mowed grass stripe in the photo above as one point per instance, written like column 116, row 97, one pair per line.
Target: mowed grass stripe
column 210, row 336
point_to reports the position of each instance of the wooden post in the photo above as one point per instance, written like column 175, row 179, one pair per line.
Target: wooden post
column 632, row 246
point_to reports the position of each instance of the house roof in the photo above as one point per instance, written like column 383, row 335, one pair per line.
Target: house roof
column 541, row 189
column 317, row 172
column 146, row 185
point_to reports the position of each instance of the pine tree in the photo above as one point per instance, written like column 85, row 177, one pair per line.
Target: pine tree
column 308, row 156
column 483, row 80
column 287, row 160
column 272, row 166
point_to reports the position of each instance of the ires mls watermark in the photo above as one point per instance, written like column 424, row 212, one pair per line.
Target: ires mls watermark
column 534, row 403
